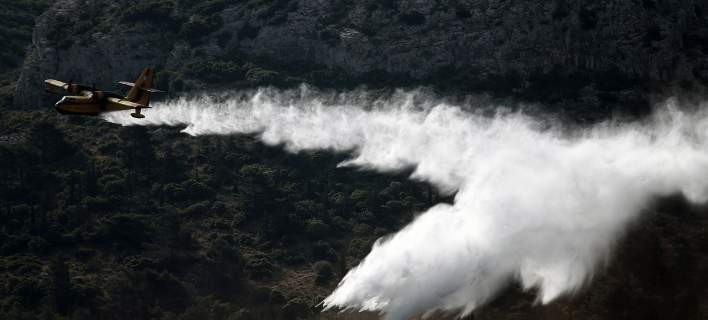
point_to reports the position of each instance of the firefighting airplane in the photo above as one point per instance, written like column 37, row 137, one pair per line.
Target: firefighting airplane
column 87, row 100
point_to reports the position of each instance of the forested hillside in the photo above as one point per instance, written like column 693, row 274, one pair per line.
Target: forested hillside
column 583, row 58
column 16, row 24
column 99, row 221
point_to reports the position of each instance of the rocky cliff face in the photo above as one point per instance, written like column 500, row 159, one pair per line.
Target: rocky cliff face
column 599, row 52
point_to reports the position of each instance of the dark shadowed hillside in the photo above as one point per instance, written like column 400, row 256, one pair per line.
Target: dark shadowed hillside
column 16, row 25
column 99, row 221
column 584, row 57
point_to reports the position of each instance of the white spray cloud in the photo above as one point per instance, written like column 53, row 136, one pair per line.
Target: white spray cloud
column 533, row 204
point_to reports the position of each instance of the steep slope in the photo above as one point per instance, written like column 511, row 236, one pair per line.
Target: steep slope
column 100, row 221
column 16, row 24
column 589, row 55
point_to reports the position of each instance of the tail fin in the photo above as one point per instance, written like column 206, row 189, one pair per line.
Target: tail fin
column 141, row 89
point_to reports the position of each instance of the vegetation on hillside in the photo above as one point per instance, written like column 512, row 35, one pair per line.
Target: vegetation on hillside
column 102, row 221
column 99, row 221
column 16, row 23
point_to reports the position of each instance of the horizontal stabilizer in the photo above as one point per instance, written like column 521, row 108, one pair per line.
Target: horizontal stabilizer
column 130, row 84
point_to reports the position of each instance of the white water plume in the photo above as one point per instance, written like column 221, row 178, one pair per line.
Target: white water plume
column 534, row 204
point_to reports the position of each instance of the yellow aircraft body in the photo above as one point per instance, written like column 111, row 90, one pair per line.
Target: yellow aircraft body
column 85, row 100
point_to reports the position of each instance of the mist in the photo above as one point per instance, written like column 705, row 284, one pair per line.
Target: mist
column 535, row 202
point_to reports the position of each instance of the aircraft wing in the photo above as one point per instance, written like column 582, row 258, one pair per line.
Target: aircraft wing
column 130, row 84
column 125, row 104
column 55, row 86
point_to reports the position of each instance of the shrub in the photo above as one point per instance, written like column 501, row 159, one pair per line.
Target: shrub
column 110, row 183
column 14, row 244
column 364, row 216
column 196, row 190
column 392, row 191
column 324, row 272
column 249, row 32
column 362, row 229
column 123, row 228
column 259, row 267
column 197, row 208
column 323, row 251
column 359, row 195
column 258, row 172
column 273, row 8
column 238, row 218
column 330, row 36
column 317, row 229
column 114, row 187
column 49, row 141
column 292, row 257
column 159, row 11
column 225, row 249
column 212, row 6
column 242, row 314
column 394, row 206
column 338, row 199
column 199, row 25
column 216, row 71
column 218, row 207
column 389, row 4
column 37, row 245
column 259, row 75
column 359, row 248
column 413, row 18
column 29, row 291
column 97, row 203
column 174, row 191
column 308, row 208
column 297, row 309
column 462, row 13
